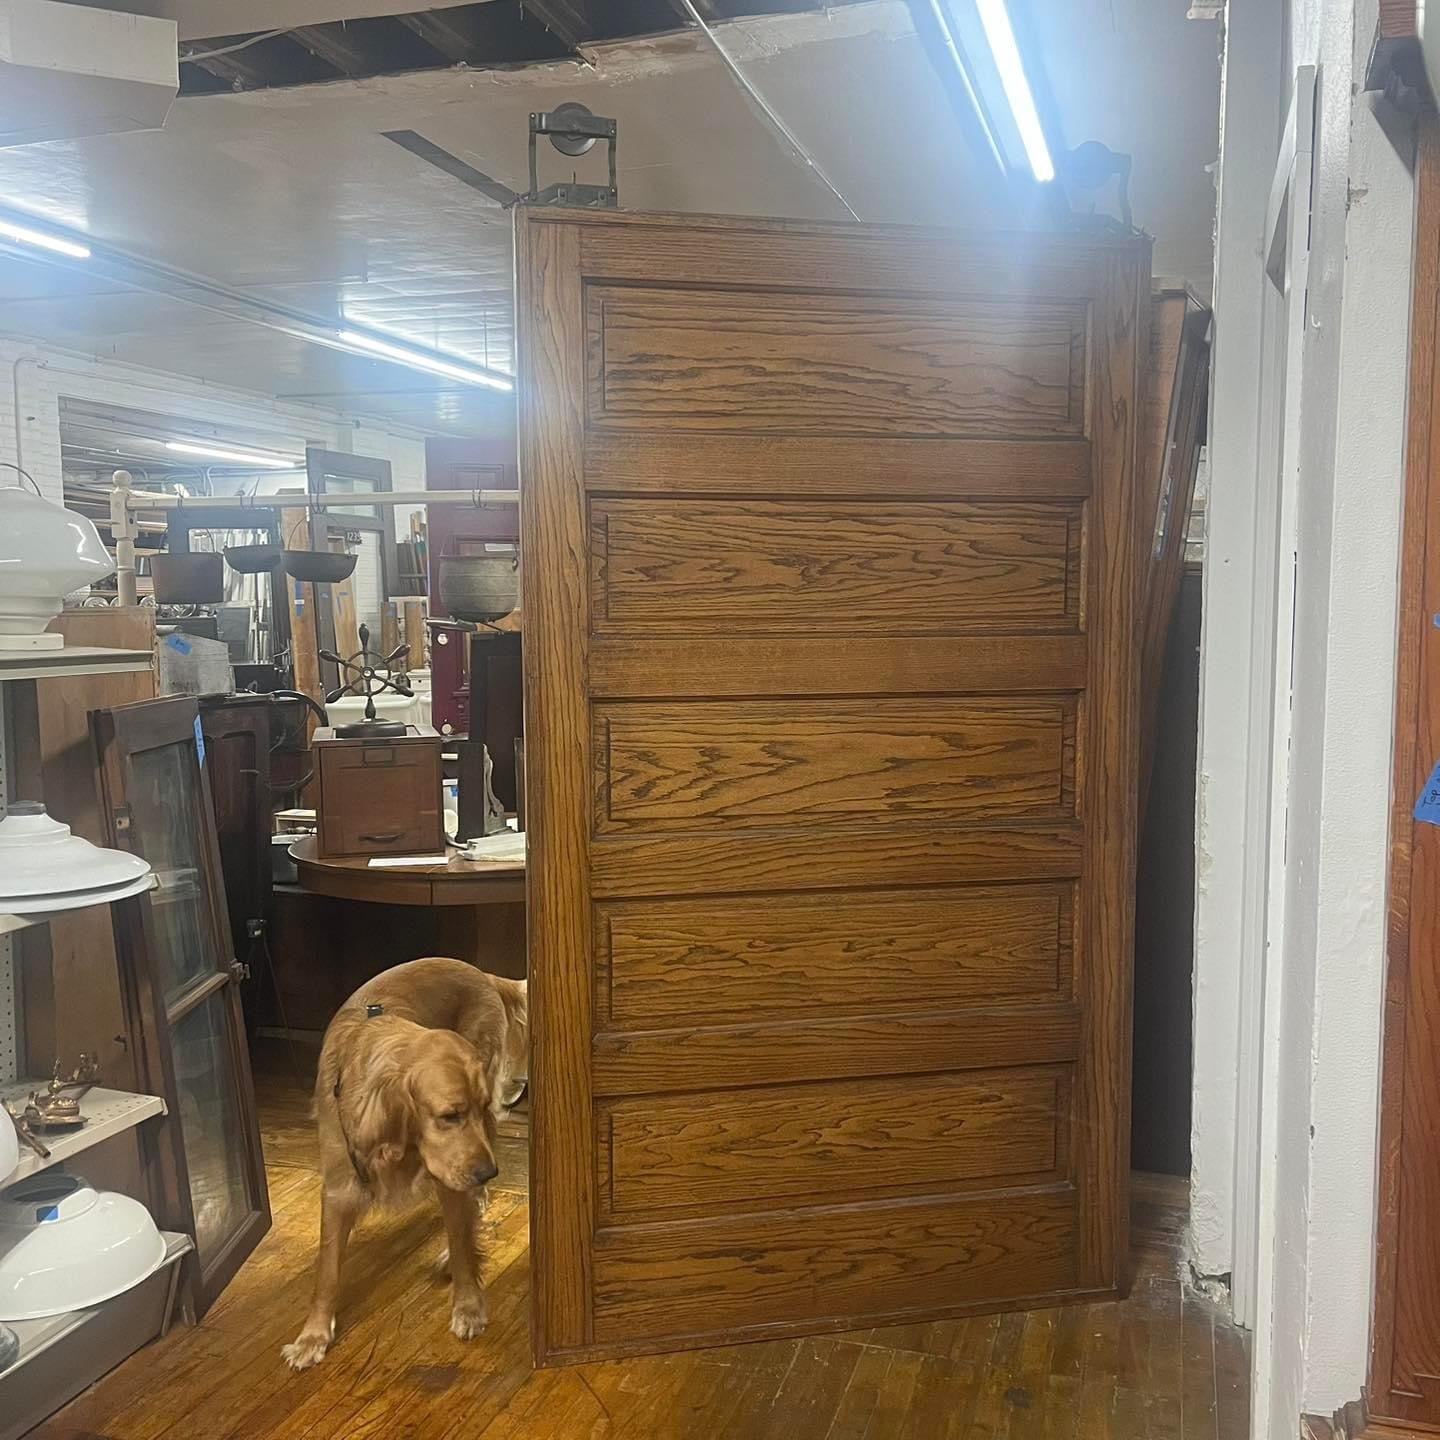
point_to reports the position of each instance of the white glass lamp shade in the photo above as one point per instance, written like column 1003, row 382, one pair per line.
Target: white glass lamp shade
column 65, row 1246
column 46, row 551
column 41, row 860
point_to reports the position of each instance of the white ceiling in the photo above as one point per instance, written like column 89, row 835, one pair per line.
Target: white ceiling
column 295, row 196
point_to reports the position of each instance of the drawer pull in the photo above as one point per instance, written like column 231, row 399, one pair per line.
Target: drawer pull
column 384, row 837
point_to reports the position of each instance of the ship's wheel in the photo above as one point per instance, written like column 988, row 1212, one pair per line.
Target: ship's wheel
column 370, row 675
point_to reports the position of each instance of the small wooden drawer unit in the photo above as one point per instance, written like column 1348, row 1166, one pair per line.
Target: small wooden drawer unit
column 378, row 797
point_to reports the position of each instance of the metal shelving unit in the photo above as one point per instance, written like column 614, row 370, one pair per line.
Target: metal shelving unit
column 107, row 1113
column 71, row 660
column 62, row 1354
column 45, row 1374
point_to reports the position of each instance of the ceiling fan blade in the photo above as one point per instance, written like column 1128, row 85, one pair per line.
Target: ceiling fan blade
column 441, row 159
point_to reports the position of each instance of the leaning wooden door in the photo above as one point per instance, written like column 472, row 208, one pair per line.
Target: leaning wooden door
column 156, row 796
column 829, row 561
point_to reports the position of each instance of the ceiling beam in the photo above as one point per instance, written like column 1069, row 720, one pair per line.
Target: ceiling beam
column 203, row 19
column 237, row 69
column 572, row 21
column 452, row 32
column 335, row 45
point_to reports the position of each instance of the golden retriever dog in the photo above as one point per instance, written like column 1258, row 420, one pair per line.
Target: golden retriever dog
column 415, row 1071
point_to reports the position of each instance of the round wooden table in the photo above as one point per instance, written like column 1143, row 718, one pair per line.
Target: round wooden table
column 355, row 919
column 456, row 882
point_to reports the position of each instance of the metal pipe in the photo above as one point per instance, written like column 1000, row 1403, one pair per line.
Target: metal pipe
column 379, row 499
column 766, row 109
column 39, row 364
column 122, row 532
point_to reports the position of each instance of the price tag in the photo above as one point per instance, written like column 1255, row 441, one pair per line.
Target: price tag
column 1427, row 807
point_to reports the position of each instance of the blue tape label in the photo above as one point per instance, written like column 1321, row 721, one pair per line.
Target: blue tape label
column 1427, row 807
column 199, row 741
column 179, row 644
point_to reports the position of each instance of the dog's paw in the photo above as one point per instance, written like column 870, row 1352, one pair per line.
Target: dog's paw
column 306, row 1350
column 468, row 1318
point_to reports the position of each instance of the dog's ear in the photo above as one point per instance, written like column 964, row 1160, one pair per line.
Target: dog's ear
column 489, row 1080
column 384, row 1119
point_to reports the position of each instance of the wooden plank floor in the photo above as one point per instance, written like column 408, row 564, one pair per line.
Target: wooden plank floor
column 1161, row 1364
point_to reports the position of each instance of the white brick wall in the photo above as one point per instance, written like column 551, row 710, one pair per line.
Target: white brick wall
column 36, row 376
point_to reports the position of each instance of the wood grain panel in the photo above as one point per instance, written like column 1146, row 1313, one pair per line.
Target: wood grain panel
column 727, row 864
column 795, row 764
column 783, row 567
column 714, row 1057
column 816, row 405
column 702, row 1276
column 1404, row 1370
column 860, row 365
column 739, row 959
column 1103, row 983
column 1167, row 321
column 802, row 255
column 847, row 1139
column 835, row 665
column 663, row 462
column 552, row 519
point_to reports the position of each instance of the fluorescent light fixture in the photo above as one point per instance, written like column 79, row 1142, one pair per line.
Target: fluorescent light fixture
column 235, row 457
column 42, row 240
column 1006, row 55
column 423, row 360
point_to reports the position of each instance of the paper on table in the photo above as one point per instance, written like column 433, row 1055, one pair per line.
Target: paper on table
column 381, row 861
column 507, row 845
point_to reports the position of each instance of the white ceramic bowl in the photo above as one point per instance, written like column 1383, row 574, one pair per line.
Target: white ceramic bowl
column 420, row 684
column 350, row 708
column 65, row 1246
column 46, row 551
column 39, row 857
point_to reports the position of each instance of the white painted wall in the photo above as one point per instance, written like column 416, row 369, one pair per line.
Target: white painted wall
column 1321, row 1029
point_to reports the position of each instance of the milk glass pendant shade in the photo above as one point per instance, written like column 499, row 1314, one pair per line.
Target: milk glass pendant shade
column 46, row 551
column 66, row 1246
column 44, row 867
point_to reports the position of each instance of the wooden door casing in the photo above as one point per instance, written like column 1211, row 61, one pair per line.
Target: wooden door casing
column 830, row 583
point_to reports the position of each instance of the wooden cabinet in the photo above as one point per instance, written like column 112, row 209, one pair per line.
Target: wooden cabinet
column 379, row 797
